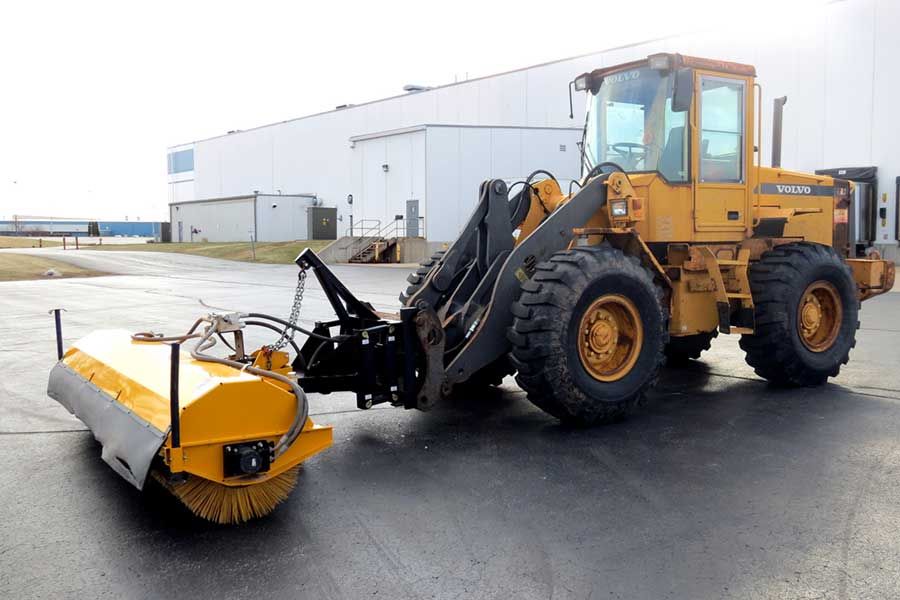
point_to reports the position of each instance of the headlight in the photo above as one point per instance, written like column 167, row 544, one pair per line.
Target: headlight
column 583, row 82
column 619, row 208
column 659, row 62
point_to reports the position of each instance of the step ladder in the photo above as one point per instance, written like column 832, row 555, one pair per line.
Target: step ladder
column 733, row 297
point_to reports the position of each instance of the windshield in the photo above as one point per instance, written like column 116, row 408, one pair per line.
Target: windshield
column 630, row 122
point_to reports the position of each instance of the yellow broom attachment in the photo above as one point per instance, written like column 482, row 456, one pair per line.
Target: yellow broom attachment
column 220, row 447
column 230, row 504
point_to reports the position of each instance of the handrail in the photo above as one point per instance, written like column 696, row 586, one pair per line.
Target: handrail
column 361, row 225
column 367, row 232
column 396, row 228
column 400, row 228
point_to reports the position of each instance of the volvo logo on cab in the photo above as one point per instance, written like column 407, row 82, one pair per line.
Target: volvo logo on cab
column 620, row 77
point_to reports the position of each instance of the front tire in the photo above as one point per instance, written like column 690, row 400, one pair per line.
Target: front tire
column 589, row 333
column 417, row 278
column 806, row 312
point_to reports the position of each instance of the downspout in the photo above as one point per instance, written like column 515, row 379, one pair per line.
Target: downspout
column 255, row 232
column 776, row 130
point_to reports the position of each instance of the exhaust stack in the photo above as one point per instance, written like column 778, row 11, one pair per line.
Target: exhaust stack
column 777, row 118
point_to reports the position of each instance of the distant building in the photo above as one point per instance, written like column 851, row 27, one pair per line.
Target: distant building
column 80, row 228
column 421, row 155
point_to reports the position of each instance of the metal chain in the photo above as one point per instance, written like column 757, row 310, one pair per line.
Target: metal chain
column 288, row 334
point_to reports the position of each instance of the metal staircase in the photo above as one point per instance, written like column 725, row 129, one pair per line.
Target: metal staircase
column 376, row 243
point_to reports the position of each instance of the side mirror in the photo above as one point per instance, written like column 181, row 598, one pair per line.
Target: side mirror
column 683, row 90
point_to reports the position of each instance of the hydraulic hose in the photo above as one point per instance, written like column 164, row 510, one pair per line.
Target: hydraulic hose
column 276, row 330
column 149, row 336
column 306, row 332
column 527, row 183
column 539, row 172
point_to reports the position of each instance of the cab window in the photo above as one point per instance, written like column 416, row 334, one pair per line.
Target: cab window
column 631, row 123
column 721, row 129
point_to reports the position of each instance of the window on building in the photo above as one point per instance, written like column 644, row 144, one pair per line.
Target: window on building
column 721, row 129
column 181, row 161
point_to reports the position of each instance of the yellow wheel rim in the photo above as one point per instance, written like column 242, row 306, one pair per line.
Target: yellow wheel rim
column 610, row 337
column 819, row 316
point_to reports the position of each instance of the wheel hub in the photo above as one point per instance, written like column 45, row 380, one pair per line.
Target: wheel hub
column 610, row 336
column 604, row 335
column 812, row 314
column 819, row 316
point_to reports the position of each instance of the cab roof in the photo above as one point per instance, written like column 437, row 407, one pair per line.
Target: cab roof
column 680, row 60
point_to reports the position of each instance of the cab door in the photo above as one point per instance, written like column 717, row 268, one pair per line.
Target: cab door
column 720, row 159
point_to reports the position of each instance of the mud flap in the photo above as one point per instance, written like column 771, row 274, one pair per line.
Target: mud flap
column 129, row 442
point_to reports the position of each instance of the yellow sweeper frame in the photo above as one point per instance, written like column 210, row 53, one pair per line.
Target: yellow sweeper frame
column 125, row 393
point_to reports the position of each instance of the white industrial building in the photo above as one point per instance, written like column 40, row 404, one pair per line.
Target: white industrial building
column 428, row 150
column 270, row 217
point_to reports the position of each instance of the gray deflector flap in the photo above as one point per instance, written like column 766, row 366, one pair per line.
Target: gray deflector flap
column 129, row 442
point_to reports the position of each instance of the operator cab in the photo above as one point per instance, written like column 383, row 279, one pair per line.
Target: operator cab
column 638, row 116
column 643, row 117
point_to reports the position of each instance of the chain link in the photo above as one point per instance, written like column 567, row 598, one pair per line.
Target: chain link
column 288, row 334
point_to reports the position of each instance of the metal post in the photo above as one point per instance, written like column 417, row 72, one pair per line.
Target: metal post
column 253, row 245
column 173, row 396
column 58, row 320
column 76, row 242
column 64, row 242
column 777, row 117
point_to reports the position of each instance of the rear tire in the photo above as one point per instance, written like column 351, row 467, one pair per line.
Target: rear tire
column 574, row 295
column 681, row 350
column 807, row 313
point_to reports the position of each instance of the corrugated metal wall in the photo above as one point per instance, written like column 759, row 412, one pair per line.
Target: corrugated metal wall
column 460, row 158
column 272, row 218
column 379, row 195
column 220, row 221
column 282, row 218
column 441, row 167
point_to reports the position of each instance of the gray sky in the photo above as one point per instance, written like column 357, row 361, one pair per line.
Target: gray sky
column 93, row 92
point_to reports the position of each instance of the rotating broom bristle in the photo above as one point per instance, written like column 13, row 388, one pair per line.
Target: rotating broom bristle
column 225, row 504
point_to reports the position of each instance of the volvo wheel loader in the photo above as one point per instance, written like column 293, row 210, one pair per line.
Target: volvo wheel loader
column 674, row 234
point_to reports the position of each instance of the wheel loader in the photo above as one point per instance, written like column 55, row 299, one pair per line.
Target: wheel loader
column 674, row 234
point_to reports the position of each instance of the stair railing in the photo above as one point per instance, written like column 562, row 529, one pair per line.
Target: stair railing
column 374, row 233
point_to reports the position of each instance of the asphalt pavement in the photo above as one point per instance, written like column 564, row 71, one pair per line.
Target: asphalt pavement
column 721, row 486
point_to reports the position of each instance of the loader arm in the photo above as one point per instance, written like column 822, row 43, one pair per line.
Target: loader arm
column 481, row 275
